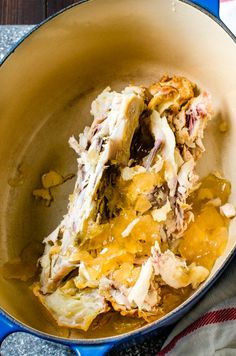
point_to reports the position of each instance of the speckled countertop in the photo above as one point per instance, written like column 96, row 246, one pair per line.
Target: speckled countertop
column 20, row 344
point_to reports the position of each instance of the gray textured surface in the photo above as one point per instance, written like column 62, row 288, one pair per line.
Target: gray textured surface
column 9, row 35
column 20, row 344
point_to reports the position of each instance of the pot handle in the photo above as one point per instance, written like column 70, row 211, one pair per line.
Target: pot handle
column 210, row 5
column 7, row 327
column 94, row 350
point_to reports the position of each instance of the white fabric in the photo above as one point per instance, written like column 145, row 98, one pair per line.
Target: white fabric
column 219, row 339
column 228, row 14
column 210, row 340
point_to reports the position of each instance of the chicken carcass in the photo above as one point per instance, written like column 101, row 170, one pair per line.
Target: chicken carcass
column 107, row 141
column 136, row 169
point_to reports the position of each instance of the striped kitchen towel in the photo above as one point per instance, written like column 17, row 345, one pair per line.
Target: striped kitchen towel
column 210, row 328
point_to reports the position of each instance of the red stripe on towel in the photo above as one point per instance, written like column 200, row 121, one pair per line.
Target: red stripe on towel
column 214, row 317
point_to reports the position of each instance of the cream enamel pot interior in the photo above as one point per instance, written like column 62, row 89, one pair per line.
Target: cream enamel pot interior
column 47, row 85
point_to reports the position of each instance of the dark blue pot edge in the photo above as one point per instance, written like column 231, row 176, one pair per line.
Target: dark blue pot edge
column 169, row 319
column 195, row 4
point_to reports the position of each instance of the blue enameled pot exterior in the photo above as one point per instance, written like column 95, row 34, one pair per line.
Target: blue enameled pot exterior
column 95, row 347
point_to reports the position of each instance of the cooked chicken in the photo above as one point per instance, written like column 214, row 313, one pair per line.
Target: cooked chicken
column 170, row 93
column 228, row 210
column 165, row 141
column 140, row 290
column 146, row 297
column 76, row 309
column 118, row 245
column 174, row 270
column 161, row 213
column 177, row 124
column 109, row 139
column 129, row 228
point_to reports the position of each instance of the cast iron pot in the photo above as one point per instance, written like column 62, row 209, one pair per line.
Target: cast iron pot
column 47, row 84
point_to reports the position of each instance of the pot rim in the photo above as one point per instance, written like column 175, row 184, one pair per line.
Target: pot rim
column 186, row 305
column 80, row 2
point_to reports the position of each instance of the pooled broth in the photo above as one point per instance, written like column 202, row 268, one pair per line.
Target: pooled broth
column 203, row 242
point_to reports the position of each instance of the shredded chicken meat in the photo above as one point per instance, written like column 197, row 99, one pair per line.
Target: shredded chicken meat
column 117, row 246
